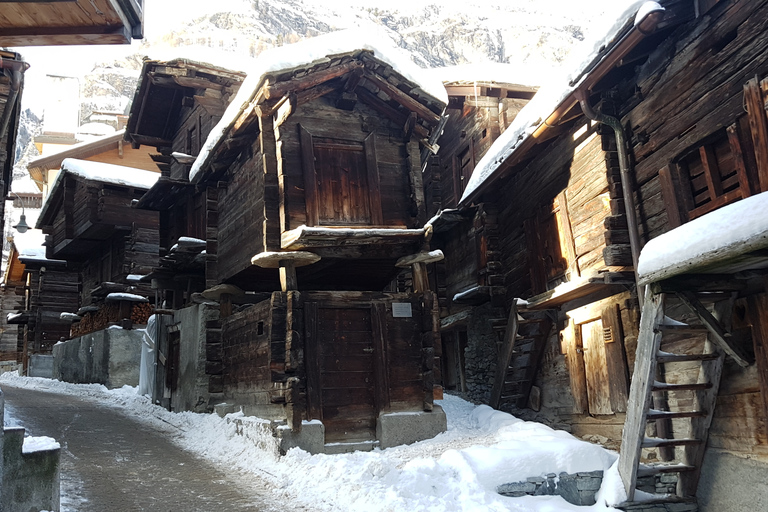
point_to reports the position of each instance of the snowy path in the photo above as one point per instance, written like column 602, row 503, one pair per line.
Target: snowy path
column 110, row 462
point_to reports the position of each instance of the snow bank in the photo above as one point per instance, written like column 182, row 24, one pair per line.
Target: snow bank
column 730, row 231
column 458, row 470
column 305, row 53
column 39, row 444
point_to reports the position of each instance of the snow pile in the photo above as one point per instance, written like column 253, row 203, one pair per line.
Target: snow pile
column 39, row 444
column 546, row 101
column 307, row 52
column 132, row 297
column 730, row 231
column 458, row 470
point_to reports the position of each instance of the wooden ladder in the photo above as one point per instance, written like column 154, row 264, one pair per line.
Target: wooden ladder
column 648, row 392
column 523, row 344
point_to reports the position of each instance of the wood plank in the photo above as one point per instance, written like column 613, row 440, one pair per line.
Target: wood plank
column 374, row 187
column 404, row 99
column 649, row 339
column 755, row 106
column 505, row 357
column 737, row 153
column 381, row 368
column 716, row 330
column 310, row 177
column 615, row 358
column 711, row 171
column 312, row 357
column 575, row 362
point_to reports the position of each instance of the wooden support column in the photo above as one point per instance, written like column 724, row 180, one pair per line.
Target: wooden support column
column 758, row 123
column 271, row 185
column 418, row 263
column 288, row 279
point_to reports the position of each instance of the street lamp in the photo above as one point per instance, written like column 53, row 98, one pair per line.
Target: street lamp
column 22, row 226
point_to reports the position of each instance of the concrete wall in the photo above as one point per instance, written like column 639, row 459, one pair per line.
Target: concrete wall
column 28, row 481
column 732, row 483
column 40, row 365
column 111, row 357
column 191, row 392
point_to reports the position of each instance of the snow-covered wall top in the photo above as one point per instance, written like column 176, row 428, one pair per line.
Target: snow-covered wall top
column 104, row 173
column 304, row 53
column 714, row 238
column 549, row 97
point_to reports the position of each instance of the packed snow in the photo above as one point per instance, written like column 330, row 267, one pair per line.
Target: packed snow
column 126, row 296
column 730, row 231
column 305, row 53
column 549, row 97
column 458, row 470
column 39, row 444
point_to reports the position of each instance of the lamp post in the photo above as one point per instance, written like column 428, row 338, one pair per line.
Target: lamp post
column 22, row 225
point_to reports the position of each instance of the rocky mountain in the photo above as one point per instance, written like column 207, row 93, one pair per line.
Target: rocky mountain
column 517, row 32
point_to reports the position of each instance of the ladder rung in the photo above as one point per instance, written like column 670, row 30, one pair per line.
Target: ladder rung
column 655, row 470
column 531, row 320
column 663, row 386
column 682, row 358
column 654, row 414
column 654, row 442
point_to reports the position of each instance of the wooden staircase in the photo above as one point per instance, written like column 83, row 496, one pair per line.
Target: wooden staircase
column 524, row 337
column 681, row 411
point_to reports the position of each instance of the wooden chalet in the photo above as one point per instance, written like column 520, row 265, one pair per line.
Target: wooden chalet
column 176, row 105
column 106, row 244
column 312, row 195
column 71, row 22
column 109, row 149
column 663, row 126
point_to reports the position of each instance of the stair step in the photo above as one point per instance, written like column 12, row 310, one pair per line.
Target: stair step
column 649, row 470
column 654, row 414
column 682, row 329
column 657, row 499
column 656, row 442
column 665, row 357
column 663, row 386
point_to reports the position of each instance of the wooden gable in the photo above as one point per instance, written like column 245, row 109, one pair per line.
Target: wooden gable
column 70, row 22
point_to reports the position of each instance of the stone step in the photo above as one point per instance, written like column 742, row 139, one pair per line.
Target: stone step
column 353, row 446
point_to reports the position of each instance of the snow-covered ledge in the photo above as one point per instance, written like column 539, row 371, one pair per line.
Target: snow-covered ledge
column 707, row 242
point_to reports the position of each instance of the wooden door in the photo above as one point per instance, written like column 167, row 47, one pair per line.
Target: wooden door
column 347, row 379
column 341, row 181
column 595, row 365
column 342, row 184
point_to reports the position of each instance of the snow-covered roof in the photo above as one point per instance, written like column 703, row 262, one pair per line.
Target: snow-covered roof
column 492, row 72
column 304, row 53
column 103, row 173
column 710, row 240
column 550, row 97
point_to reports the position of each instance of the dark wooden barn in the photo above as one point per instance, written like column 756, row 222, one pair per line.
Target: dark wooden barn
column 664, row 126
column 90, row 223
column 310, row 188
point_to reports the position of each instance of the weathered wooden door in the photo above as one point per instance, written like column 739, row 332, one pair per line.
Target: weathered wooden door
column 342, row 184
column 595, row 365
column 341, row 181
column 344, row 354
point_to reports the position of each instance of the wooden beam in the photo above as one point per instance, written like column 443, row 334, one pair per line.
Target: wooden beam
column 404, row 99
column 738, row 160
column 505, row 358
column 711, row 171
column 310, row 80
column 753, row 101
column 379, row 106
column 722, row 338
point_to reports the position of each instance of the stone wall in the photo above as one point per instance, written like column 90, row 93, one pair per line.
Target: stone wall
column 481, row 353
column 191, row 393
column 111, row 357
column 28, row 481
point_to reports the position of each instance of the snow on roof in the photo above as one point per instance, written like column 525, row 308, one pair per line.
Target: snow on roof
column 203, row 56
column 104, row 173
column 492, row 72
column 713, row 238
column 306, row 52
column 549, row 97
column 132, row 297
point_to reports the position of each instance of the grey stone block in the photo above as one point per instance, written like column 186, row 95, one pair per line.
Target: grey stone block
column 398, row 428
column 311, row 438
column 40, row 366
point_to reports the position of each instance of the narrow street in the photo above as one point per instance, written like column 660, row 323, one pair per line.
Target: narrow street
column 110, row 462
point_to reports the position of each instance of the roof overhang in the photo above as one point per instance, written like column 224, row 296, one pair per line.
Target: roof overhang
column 70, row 22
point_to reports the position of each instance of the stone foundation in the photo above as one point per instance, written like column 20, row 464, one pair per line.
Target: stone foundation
column 580, row 489
column 111, row 357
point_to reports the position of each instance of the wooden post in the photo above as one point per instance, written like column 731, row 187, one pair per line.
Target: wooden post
column 420, row 281
column 288, row 281
column 225, row 305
